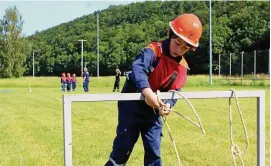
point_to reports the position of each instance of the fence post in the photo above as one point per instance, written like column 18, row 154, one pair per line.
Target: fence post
column 218, row 64
column 242, row 63
column 242, row 67
column 269, row 64
column 254, row 66
column 230, row 68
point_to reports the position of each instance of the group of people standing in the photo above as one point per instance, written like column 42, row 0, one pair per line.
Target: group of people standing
column 69, row 83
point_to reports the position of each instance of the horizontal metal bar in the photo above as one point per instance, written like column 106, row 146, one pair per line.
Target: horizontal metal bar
column 164, row 95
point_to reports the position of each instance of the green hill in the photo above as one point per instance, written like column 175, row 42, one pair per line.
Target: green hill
column 125, row 29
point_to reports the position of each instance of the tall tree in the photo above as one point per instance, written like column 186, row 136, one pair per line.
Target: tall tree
column 12, row 46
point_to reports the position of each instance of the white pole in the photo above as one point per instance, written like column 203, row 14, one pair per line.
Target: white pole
column 82, row 50
column 67, row 100
column 33, row 65
column 98, row 44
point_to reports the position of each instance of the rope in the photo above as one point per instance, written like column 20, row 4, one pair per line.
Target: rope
column 173, row 142
column 235, row 150
column 172, row 110
column 193, row 109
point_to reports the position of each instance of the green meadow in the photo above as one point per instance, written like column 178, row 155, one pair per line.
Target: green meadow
column 31, row 125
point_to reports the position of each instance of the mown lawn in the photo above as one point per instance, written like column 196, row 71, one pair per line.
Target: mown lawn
column 31, row 125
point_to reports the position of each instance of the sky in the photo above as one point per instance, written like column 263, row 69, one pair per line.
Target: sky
column 41, row 15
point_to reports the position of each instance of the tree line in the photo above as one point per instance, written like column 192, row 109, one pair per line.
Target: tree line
column 124, row 30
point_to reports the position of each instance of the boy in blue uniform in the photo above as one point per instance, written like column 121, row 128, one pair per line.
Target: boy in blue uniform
column 69, row 82
column 85, row 80
column 74, row 81
column 63, row 82
column 159, row 66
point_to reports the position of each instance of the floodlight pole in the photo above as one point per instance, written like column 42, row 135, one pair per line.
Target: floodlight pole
column 210, row 42
column 33, row 64
column 82, row 60
column 98, row 40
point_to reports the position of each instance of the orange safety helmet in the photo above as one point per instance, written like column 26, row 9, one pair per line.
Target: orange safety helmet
column 188, row 27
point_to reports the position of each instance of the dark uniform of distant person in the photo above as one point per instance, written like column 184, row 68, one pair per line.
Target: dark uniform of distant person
column 74, row 81
column 63, row 82
column 160, row 66
column 69, row 82
column 85, row 79
column 117, row 80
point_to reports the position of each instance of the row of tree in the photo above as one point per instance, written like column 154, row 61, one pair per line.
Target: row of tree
column 125, row 29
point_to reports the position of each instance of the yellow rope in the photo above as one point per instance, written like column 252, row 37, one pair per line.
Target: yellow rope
column 235, row 150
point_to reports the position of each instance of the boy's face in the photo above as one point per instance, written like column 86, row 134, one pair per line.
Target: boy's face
column 178, row 47
column 73, row 75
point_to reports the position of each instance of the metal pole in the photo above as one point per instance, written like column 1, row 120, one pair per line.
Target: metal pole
column 82, row 60
column 67, row 100
column 242, row 63
column 67, row 126
column 261, row 130
column 254, row 63
column 230, row 64
column 269, row 64
column 210, row 41
column 33, row 64
column 82, row 57
column 97, row 44
column 218, row 64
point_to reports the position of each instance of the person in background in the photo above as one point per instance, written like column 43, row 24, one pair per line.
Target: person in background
column 74, row 81
column 159, row 66
column 63, row 82
column 69, row 82
column 85, row 79
column 117, row 80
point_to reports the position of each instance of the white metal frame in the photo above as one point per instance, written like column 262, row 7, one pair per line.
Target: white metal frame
column 68, row 99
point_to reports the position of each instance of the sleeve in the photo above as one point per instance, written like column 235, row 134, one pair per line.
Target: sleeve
column 172, row 102
column 140, row 68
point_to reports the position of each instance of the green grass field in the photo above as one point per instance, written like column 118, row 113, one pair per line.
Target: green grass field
column 31, row 125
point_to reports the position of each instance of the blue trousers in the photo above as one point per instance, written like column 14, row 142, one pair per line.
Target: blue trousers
column 73, row 86
column 63, row 86
column 85, row 86
column 68, row 87
column 129, row 128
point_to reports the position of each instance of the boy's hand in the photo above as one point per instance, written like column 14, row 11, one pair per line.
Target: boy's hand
column 151, row 98
column 164, row 110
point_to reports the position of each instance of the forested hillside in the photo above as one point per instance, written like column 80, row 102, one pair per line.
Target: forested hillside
column 124, row 30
